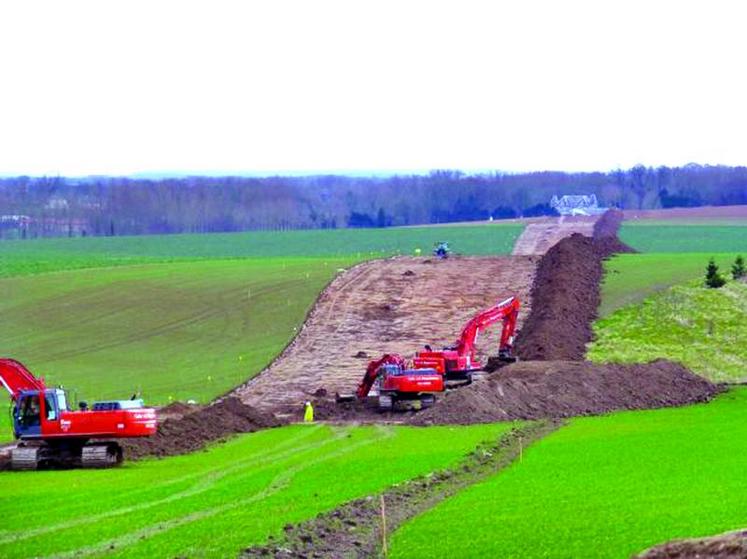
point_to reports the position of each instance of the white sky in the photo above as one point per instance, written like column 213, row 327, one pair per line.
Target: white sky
column 107, row 87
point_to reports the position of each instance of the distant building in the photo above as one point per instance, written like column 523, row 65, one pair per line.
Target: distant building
column 576, row 204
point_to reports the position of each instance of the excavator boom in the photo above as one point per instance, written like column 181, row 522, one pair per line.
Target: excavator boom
column 15, row 378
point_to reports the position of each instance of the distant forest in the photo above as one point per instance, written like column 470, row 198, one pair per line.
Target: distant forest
column 56, row 206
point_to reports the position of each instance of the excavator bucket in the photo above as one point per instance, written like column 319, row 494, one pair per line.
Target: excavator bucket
column 341, row 398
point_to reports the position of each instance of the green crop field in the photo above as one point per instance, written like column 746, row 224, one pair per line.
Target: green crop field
column 630, row 278
column 188, row 330
column 214, row 503
column 705, row 329
column 43, row 255
column 656, row 237
column 601, row 487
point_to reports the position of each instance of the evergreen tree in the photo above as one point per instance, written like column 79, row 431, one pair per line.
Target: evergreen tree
column 738, row 271
column 713, row 278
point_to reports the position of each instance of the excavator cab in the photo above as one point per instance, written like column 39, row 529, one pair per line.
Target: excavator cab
column 29, row 414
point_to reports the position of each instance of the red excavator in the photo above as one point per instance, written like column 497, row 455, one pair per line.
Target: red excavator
column 414, row 387
column 51, row 435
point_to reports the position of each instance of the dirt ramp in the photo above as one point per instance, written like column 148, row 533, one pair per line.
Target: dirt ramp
column 726, row 546
column 556, row 389
column 196, row 428
column 537, row 238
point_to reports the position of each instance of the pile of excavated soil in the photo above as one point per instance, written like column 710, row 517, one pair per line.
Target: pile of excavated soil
column 193, row 430
column 565, row 298
column 565, row 294
column 555, row 389
column 726, row 546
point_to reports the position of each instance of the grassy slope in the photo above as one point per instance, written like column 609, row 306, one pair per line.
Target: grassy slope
column 630, row 278
column 214, row 503
column 35, row 256
column 705, row 329
column 684, row 238
column 179, row 330
column 601, row 487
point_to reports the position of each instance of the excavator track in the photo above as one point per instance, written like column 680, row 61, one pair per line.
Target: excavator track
column 25, row 458
column 101, row 455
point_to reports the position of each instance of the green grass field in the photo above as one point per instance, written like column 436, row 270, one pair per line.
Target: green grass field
column 173, row 331
column 705, row 329
column 214, row 503
column 657, row 237
column 44, row 255
column 630, row 278
column 601, row 487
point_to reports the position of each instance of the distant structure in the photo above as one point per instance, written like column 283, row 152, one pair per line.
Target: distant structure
column 576, row 204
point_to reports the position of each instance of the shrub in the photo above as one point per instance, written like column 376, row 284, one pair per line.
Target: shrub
column 713, row 279
column 738, row 271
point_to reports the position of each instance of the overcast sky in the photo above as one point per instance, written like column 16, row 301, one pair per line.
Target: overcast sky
column 254, row 86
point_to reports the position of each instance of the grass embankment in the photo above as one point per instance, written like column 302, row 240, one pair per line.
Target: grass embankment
column 630, row 278
column 173, row 331
column 601, row 487
column 656, row 237
column 214, row 503
column 44, row 255
column 704, row 329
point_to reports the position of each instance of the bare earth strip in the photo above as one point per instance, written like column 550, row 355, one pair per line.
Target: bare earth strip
column 391, row 306
column 538, row 237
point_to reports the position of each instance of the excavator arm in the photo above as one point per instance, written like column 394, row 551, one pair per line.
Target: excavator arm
column 16, row 378
column 506, row 311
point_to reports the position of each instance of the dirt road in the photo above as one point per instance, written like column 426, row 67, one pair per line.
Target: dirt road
column 395, row 305
column 538, row 237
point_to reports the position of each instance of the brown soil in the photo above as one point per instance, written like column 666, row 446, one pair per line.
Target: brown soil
column 355, row 528
column 553, row 389
column 565, row 294
column 378, row 307
column 726, row 546
column 194, row 430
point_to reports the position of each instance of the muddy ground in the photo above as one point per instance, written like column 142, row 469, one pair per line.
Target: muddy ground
column 183, row 429
column 555, row 389
column 389, row 306
column 726, row 546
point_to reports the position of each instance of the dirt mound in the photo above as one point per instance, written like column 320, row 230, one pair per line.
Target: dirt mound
column 608, row 225
column 565, row 297
column 196, row 429
column 565, row 294
column 726, row 546
column 554, row 389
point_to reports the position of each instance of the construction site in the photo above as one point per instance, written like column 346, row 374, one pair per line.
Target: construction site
column 416, row 341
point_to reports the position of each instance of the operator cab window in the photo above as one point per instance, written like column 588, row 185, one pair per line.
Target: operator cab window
column 50, row 407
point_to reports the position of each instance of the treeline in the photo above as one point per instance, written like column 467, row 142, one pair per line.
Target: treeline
column 53, row 206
